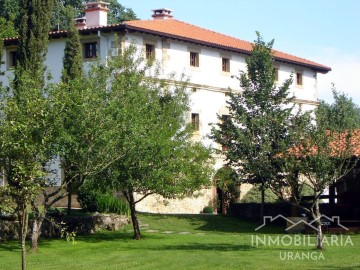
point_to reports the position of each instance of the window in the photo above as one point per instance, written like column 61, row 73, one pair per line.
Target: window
column 115, row 48
column 226, row 118
column 149, row 51
column 276, row 70
column 299, row 78
column 90, row 49
column 225, row 64
column 195, row 121
column 194, row 59
column 12, row 59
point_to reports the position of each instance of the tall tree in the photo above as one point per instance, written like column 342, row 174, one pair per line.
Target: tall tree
column 27, row 145
column 256, row 131
column 33, row 41
column 159, row 155
column 10, row 10
column 72, row 61
column 72, row 70
column 26, row 128
column 342, row 113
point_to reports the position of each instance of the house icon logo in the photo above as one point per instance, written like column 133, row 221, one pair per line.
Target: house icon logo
column 325, row 220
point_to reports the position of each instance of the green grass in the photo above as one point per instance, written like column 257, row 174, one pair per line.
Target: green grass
column 179, row 242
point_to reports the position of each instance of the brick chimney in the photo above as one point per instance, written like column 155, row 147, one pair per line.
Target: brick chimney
column 80, row 23
column 162, row 14
column 96, row 13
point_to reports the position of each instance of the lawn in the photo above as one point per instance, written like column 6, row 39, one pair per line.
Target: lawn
column 185, row 242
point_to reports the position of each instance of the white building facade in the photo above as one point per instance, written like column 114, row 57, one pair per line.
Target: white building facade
column 211, row 60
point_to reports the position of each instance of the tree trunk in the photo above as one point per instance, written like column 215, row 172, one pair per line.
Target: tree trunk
column 134, row 219
column 23, row 220
column 262, row 200
column 69, row 199
column 319, row 236
column 36, row 231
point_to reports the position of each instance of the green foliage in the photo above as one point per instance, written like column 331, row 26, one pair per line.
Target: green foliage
column 108, row 203
column 118, row 13
column 260, row 118
column 10, row 10
column 72, row 61
column 342, row 114
column 208, row 210
column 228, row 181
column 159, row 154
column 149, row 128
column 7, row 28
column 87, row 198
column 323, row 153
column 34, row 32
column 254, row 196
column 93, row 200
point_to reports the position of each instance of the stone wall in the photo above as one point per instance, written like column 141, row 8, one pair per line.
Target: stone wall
column 80, row 224
column 188, row 205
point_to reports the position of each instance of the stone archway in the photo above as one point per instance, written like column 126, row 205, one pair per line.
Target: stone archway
column 227, row 188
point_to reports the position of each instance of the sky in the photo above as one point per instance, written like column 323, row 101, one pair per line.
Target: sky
column 324, row 31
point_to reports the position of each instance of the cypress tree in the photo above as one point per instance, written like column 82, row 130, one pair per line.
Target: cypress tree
column 72, row 69
column 72, row 61
column 33, row 40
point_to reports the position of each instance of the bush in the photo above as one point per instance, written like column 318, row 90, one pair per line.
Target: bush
column 93, row 200
column 108, row 203
column 254, row 196
column 208, row 210
column 87, row 198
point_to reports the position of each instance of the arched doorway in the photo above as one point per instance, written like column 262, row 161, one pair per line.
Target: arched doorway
column 227, row 187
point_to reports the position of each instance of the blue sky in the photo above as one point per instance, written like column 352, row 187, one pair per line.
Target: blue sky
column 325, row 31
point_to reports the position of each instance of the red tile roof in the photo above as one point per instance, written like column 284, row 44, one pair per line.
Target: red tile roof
column 183, row 31
column 175, row 29
column 340, row 145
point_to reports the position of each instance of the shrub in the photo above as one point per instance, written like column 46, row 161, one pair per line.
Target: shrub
column 87, row 198
column 93, row 200
column 108, row 203
column 208, row 210
column 254, row 196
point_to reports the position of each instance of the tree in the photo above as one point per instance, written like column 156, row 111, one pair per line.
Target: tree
column 260, row 116
column 26, row 123
column 72, row 70
column 323, row 153
column 343, row 113
column 33, row 41
column 72, row 61
column 27, row 137
column 159, row 156
column 10, row 11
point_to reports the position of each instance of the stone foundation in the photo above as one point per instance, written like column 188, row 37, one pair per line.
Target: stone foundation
column 81, row 225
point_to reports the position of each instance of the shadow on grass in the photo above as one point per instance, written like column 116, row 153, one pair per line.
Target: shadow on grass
column 15, row 246
column 330, row 267
column 115, row 236
column 216, row 247
column 10, row 246
column 218, row 223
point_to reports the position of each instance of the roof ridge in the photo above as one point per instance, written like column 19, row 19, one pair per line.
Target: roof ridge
column 239, row 43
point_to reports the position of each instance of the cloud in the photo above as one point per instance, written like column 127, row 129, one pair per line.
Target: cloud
column 345, row 74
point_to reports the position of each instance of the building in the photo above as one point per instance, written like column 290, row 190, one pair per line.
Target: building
column 210, row 59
